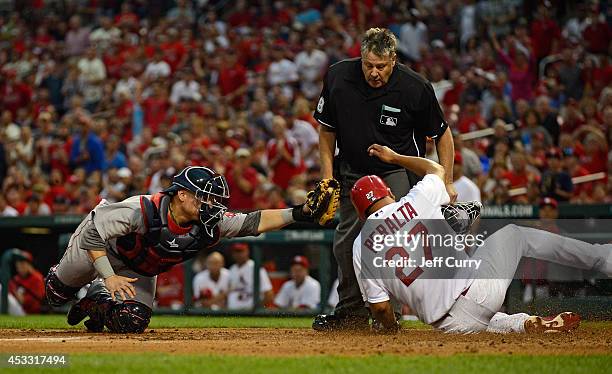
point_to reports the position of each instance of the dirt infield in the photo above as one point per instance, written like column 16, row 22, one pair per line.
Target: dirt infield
column 302, row 342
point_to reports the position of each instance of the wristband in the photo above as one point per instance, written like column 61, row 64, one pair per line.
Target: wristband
column 288, row 216
column 103, row 267
column 298, row 214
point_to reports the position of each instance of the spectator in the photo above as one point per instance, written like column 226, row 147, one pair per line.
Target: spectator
column 282, row 71
column 27, row 285
column 105, row 35
column 5, row 209
column 302, row 291
column 158, row 68
column 87, row 149
column 413, row 37
column 170, row 287
column 232, row 79
column 520, row 73
column 556, row 182
column 182, row 14
column 211, row 286
column 77, row 37
column 283, row 154
column 240, row 294
column 521, row 173
column 466, row 189
column 306, row 136
column 311, row 64
column 36, row 206
column 114, row 157
column 242, row 181
column 185, row 89
column 92, row 74
column 545, row 32
column 472, row 168
column 548, row 118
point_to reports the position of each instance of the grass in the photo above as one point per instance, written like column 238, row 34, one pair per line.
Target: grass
column 153, row 363
column 57, row 321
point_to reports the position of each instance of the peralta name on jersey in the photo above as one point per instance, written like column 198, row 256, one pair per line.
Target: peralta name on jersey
column 391, row 224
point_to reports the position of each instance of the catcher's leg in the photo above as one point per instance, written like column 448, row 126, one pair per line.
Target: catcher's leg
column 132, row 315
column 129, row 316
column 74, row 270
column 57, row 293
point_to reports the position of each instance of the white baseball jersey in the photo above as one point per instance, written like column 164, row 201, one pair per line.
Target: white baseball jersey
column 203, row 282
column 241, row 285
column 430, row 298
column 307, row 295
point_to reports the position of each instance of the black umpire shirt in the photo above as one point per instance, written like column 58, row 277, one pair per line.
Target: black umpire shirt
column 400, row 114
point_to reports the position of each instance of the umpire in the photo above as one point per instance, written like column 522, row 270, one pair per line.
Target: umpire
column 367, row 100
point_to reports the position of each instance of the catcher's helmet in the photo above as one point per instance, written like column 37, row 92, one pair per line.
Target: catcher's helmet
column 367, row 191
column 209, row 188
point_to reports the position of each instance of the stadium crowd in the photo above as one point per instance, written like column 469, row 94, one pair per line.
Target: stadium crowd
column 107, row 99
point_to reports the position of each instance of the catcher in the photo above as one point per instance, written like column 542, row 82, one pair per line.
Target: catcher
column 120, row 248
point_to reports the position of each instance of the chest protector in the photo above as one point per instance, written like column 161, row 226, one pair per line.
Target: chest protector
column 158, row 249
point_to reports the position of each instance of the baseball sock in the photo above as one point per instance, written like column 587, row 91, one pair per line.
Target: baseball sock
column 504, row 323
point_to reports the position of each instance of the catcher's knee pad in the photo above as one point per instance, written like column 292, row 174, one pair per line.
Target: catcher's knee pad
column 56, row 292
column 128, row 316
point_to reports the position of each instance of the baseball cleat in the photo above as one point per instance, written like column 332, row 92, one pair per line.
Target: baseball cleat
column 332, row 322
column 79, row 311
column 562, row 322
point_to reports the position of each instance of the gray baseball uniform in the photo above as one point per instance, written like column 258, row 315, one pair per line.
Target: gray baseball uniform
column 102, row 227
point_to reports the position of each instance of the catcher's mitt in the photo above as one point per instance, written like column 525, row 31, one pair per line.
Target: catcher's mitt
column 324, row 200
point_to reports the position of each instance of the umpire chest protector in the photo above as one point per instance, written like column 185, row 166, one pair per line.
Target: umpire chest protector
column 158, row 249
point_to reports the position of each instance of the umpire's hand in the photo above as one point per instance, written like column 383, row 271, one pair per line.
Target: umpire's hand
column 122, row 285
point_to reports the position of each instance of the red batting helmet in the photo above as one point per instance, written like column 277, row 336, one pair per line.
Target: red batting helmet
column 366, row 191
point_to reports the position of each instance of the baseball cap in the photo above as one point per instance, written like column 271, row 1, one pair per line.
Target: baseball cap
column 239, row 247
column 549, row 201
column 21, row 255
column 124, row 173
column 242, row 152
column 300, row 260
column 437, row 43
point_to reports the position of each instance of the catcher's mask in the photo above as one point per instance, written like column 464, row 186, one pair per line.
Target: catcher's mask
column 367, row 191
column 209, row 188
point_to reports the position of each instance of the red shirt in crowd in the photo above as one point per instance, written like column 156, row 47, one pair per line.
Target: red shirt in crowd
column 174, row 52
column 170, row 286
column 231, row 79
column 15, row 96
column 470, row 123
column 155, row 110
column 240, row 200
column 516, row 179
column 283, row 170
column 543, row 33
column 32, row 288
column 597, row 36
